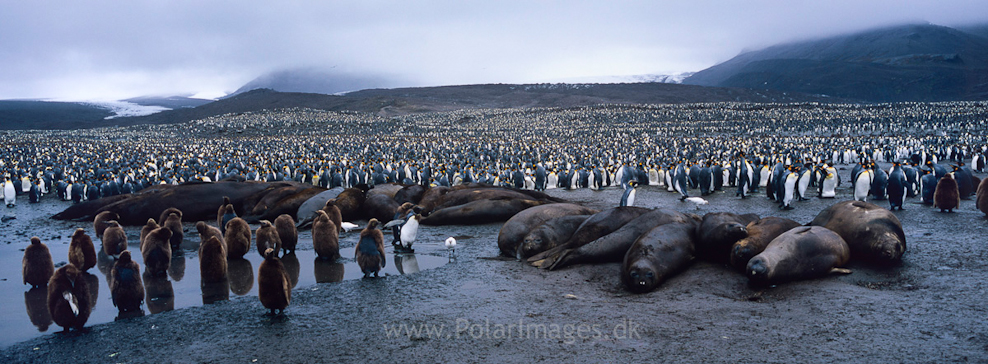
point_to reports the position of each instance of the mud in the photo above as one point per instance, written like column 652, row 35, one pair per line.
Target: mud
column 483, row 308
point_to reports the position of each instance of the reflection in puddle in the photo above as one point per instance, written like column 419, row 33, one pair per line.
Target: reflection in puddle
column 160, row 296
column 36, row 300
column 177, row 268
column 216, row 291
column 291, row 263
column 406, row 263
column 327, row 271
column 241, row 275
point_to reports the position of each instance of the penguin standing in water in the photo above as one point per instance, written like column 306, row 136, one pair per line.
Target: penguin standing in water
column 126, row 288
column 862, row 185
column 369, row 253
column 9, row 193
column 789, row 190
column 628, row 198
column 409, row 232
column 896, row 187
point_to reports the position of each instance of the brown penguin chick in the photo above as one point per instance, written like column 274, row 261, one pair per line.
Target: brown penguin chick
column 150, row 226
column 946, row 197
column 174, row 223
column 982, row 199
column 274, row 287
column 334, row 213
column 205, row 232
column 82, row 252
column 157, row 251
column 114, row 239
column 37, row 264
column 237, row 238
column 212, row 260
column 285, row 225
column 325, row 237
column 221, row 211
column 99, row 222
column 126, row 287
column 266, row 237
column 370, row 249
column 69, row 300
column 228, row 214
column 168, row 211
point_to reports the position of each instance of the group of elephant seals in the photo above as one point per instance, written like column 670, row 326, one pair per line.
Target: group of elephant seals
column 595, row 227
column 873, row 233
column 800, row 253
column 658, row 254
column 513, row 231
column 760, row 233
column 613, row 247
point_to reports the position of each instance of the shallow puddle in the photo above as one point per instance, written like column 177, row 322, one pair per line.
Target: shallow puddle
column 181, row 286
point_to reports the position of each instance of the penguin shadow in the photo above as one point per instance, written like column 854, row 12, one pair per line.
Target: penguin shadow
column 406, row 263
column 159, row 294
column 176, row 269
column 292, row 266
column 213, row 292
column 240, row 273
column 36, row 301
column 327, row 271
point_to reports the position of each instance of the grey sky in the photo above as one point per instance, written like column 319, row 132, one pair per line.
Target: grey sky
column 82, row 50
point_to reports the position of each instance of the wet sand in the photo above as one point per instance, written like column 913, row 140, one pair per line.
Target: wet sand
column 484, row 308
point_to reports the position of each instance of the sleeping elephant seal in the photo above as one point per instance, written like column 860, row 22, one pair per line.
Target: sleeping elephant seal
column 410, row 193
column 658, row 254
column 380, row 207
column 386, row 189
column 307, row 210
column 717, row 234
column 513, row 231
column 760, row 233
column 612, row 247
column 478, row 212
column 873, row 233
column 596, row 226
column 800, row 253
column 549, row 235
column 432, row 198
column 350, row 201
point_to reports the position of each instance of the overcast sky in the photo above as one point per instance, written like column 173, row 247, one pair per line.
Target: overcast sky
column 94, row 49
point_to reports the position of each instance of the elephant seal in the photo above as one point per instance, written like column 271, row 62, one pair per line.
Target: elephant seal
column 800, row 253
column 872, row 233
column 514, row 230
column 463, row 196
column 760, row 233
column 410, row 193
column 612, row 247
column 349, row 202
column 380, row 207
column 549, row 235
column 99, row 222
column 386, row 189
column 432, row 198
column 658, row 254
column 596, row 226
column 307, row 210
column 478, row 212
column 718, row 232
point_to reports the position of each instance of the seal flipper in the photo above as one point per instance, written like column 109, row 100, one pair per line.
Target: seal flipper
column 840, row 271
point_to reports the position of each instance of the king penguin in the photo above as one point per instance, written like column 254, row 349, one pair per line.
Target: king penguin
column 789, row 190
column 862, row 185
column 829, row 185
column 9, row 193
column 628, row 198
column 896, row 187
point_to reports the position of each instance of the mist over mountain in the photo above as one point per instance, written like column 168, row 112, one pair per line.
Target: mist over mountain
column 317, row 81
column 919, row 62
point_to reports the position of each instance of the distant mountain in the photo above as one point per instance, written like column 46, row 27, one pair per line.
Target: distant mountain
column 171, row 102
column 904, row 63
column 31, row 114
column 980, row 30
column 314, row 80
